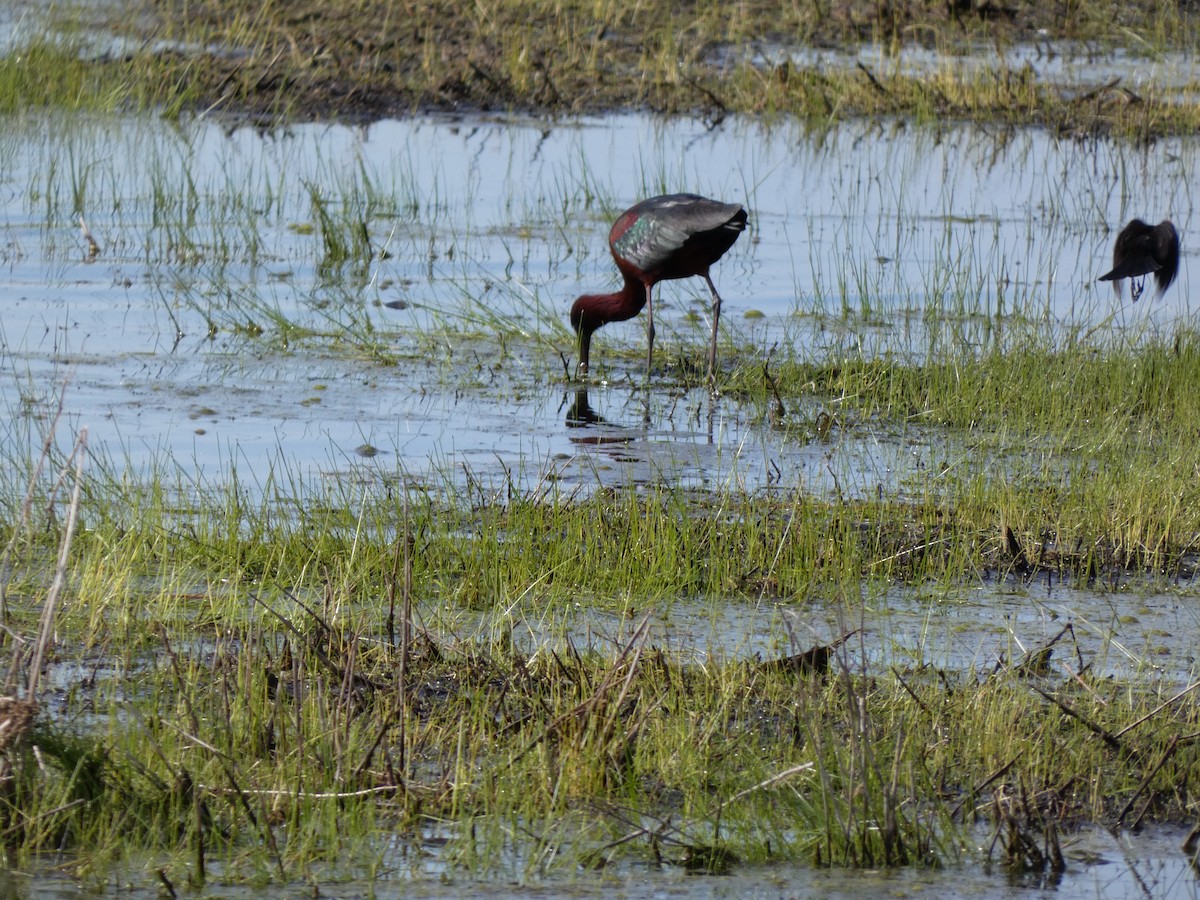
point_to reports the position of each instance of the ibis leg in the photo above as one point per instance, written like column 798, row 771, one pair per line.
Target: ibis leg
column 1136, row 286
column 649, row 330
column 712, row 347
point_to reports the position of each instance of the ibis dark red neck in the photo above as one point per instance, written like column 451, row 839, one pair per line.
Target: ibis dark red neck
column 591, row 311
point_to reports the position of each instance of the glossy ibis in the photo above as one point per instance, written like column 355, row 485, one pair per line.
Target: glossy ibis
column 1142, row 249
column 673, row 236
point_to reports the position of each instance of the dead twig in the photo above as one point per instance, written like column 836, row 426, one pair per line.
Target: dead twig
column 1091, row 726
column 45, row 635
column 1168, row 751
column 1154, row 712
column 874, row 81
column 765, row 784
column 981, row 785
column 632, row 648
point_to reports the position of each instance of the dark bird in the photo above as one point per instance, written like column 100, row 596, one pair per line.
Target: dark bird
column 674, row 236
column 1142, row 249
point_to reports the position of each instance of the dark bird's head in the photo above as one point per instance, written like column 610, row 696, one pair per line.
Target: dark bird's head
column 591, row 311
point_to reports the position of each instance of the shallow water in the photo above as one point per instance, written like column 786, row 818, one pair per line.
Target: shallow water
column 1073, row 67
column 1122, row 631
column 857, row 237
column 869, row 238
column 1099, row 865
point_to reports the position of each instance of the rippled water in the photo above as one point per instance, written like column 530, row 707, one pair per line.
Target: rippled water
column 870, row 238
column 1073, row 67
column 1117, row 631
column 1099, row 865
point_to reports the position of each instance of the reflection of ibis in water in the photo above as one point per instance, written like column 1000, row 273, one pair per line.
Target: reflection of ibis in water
column 581, row 415
column 674, row 236
column 1142, row 249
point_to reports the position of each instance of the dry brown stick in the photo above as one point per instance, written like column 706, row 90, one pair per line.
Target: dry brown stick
column 47, row 445
column 27, row 503
column 766, row 783
column 304, row 795
column 227, row 765
column 874, row 81
column 371, row 751
column 1191, row 687
column 904, row 684
column 321, row 655
column 780, row 409
column 1167, row 753
column 1098, row 91
column 1081, row 718
column 610, row 722
column 979, row 787
column 60, row 571
column 1075, row 677
column 198, row 810
column 405, row 638
column 28, row 823
column 626, row 816
column 635, row 641
column 399, row 711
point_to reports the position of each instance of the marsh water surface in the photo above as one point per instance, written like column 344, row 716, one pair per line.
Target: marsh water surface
column 223, row 317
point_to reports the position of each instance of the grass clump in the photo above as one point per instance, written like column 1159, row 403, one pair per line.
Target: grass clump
column 1083, row 445
column 311, row 60
column 59, row 73
column 289, row 739
column 44, row 74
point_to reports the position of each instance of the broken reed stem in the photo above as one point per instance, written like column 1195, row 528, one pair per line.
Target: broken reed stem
column 399, row 712
column 775, row 779
column 1154, row 712
column 1079, row 717
column 60, row 572
column 1172, row 744
column 632, row 647
column 262, row 823
column 405, row 638
column 382, row 789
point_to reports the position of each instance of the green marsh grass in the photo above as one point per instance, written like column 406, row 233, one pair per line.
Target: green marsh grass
column 305, row 264
column 243, row 713
column 50, row 73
